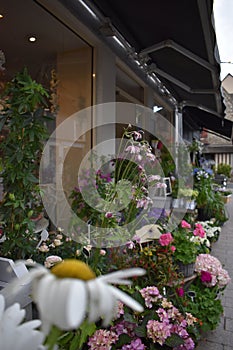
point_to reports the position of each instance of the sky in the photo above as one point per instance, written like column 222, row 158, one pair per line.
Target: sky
column 223, row 17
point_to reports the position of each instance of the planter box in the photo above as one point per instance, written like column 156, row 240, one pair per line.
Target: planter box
column 226, row 199
column 186, row 270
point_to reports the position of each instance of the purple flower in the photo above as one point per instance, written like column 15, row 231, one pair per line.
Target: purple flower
column 134, row 345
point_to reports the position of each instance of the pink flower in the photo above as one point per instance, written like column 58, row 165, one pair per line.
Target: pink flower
column 165, row 239
column 102, row 340
column 134, row 345
column 108, row 215
column 199, row 231
column 158, row 331
column 137, row 135
column 173, row 248
column 133, row 149
column 206, row 276
column 130, row 245
column 151, row 295
column 180, row 292
column 185, row 224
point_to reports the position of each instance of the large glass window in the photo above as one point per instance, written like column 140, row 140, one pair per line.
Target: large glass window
column 57, row 58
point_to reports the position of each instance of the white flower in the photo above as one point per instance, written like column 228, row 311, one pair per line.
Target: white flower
column 52, row 260
column 17, row 335
column 70, row 292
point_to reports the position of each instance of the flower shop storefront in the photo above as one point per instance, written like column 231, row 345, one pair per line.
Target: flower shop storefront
column 94, row 253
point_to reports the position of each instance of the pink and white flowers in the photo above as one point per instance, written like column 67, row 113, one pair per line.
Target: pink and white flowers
column 211, row 272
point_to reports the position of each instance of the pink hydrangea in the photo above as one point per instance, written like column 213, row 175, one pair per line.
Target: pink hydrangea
column 188, row 345
column 134, row 345
column 151, row 295
column 165, row 239
column 158, row 331
column 102, row 340
column 210, row 264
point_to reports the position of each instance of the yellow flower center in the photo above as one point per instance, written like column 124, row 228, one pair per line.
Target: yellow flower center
column 73, row 268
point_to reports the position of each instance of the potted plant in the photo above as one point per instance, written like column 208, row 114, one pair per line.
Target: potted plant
column 23, row 116
column 185, row 248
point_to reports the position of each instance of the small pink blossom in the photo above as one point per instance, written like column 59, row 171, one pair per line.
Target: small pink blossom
column 102, row 340
column 180, row 292
column 206, row 276
column 108, row 215
column 199, row 231
column 185, row 224
column 165, row 239
column 130, row 245
column 151, row 295
column 133, row 149
column 137, row 135
column 173, row 248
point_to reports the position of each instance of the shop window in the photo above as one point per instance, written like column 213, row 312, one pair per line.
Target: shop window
column 57, row 58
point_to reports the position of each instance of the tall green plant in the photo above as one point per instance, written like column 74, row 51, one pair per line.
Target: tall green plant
column 23, row 117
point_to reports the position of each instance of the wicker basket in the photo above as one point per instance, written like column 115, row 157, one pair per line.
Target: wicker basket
column 186, row 269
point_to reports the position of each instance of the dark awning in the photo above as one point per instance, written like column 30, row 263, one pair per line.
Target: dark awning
column 201, row 119
column 178, row 40
column 175, row 39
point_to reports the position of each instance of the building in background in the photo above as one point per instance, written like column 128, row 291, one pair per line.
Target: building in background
column 218, row 148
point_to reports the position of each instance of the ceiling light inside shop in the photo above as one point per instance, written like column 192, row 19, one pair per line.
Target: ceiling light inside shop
column 32, row 39
column 1, row 15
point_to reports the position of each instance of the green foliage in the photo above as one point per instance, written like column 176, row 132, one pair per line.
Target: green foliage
column 186, row 250
column 23, row 117
column 207, row 307
column 224, row 169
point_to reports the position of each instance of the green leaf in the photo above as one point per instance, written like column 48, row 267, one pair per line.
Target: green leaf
column 123, row 339
column 174, row 340
column 140, row 331
column 86, row 330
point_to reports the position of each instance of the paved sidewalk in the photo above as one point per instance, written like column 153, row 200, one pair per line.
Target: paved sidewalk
column 222, row 337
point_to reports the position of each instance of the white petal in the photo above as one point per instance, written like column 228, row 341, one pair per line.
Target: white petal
column 13, row 315
column 126, row 299
column 41, row 293
column 61, row 302
column 118, row 277
column 105, row 302
column 70, row 304
column 94, row 295
column 27, row 337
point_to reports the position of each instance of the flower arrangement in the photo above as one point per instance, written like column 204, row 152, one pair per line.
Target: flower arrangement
column 211, row 280
column 211, row 272
column 161, row 323
column 180, row 241
column 120, row 188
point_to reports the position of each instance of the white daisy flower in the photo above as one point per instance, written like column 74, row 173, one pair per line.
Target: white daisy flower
column 17, row 335
column 70, row 292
